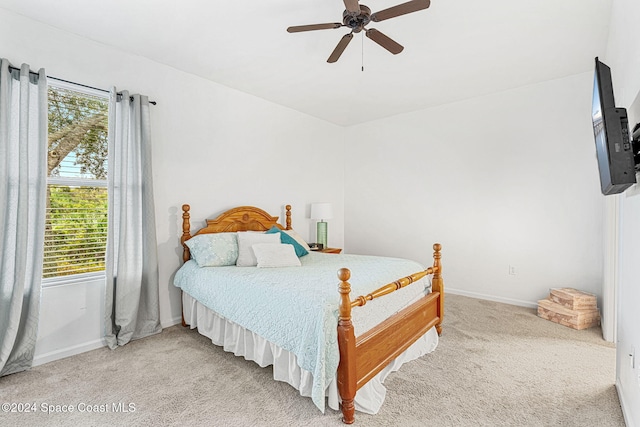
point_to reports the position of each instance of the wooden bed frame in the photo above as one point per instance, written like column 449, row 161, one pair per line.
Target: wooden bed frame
column 363, row 357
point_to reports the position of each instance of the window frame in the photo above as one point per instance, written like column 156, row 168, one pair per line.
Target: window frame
column 79, row 182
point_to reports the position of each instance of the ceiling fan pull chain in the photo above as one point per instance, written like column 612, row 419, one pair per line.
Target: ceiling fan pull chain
column 362, row 60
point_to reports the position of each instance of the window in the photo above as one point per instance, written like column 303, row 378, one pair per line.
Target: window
column 76, row 218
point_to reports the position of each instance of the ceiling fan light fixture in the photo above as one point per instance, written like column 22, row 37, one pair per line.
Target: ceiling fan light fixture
column 357, row 22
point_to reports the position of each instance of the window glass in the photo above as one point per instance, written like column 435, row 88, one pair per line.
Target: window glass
column 76, row 222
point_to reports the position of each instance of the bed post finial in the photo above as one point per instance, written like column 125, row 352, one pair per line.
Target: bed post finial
column 437, row 284
column 437, row 247
column 288, row 217
column 347, row 346
column 345, row 289
column 186, row 233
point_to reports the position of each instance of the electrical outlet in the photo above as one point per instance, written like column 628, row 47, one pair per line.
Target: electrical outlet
column 512, row 270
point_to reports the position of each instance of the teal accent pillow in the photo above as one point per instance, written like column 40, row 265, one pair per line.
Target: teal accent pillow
column 285, row 238
column 214, row 250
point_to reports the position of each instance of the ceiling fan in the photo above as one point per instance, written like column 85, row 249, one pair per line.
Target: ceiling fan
column 357, row 16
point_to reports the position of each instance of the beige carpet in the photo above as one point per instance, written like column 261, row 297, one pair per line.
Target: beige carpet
column 496, row 365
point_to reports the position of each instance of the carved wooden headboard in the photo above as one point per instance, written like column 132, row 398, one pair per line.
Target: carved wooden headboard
column 242, row 218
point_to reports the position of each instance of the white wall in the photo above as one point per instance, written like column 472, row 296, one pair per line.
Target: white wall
column 623, row 56
column 508, row 179
column 71, row 319
column 213, row 147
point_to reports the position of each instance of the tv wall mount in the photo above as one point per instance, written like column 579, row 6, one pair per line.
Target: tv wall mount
column 635, row 146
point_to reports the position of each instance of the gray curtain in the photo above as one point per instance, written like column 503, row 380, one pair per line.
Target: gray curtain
column 132, row 307
column 23, row 167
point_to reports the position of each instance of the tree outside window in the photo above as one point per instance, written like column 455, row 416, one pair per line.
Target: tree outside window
column 76, row 222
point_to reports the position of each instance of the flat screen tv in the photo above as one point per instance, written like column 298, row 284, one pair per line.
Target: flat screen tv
column 611, row 132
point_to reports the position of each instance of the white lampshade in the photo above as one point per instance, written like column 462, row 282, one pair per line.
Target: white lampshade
column 321, row 211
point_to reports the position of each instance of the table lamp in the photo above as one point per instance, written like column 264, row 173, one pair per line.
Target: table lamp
column 321, row 211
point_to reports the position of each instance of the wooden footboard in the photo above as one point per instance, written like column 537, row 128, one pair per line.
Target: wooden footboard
column 364, row 357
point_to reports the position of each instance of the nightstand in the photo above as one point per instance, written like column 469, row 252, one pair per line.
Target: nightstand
column 331, row 250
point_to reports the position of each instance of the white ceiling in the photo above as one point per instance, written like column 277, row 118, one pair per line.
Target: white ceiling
column 455, row 49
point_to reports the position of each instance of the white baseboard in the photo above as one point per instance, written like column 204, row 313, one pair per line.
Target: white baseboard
column 625, row 409
column 41, row 359
column 69, row 351
column 511, row 301
column 171, row 322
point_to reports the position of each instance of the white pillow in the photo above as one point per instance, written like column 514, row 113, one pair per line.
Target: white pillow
column 275, row 255
column 297, row 238
column 246, row 239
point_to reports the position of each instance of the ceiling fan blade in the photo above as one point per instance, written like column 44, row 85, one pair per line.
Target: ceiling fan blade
column 384, row 41
column 352, row 7
column 313, row 27
column 342, row 45
column 401, row 9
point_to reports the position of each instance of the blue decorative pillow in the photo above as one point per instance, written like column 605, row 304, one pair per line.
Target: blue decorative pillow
column 285, row 238
column 214, row 250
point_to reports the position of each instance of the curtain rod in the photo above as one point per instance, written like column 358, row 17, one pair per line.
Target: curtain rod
column 74, row 83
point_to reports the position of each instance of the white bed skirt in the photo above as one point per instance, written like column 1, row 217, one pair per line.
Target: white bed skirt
column 242, row 342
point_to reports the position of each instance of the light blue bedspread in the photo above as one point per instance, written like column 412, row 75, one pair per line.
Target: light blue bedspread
column 297, row 307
